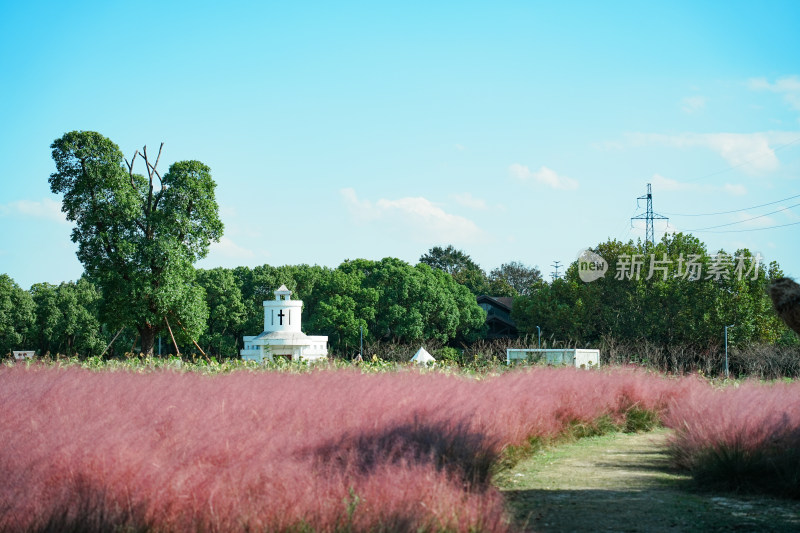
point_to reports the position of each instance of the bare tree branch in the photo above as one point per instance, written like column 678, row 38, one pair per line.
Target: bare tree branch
column 158, row 158
column 151, row 169
column 130, row 167
column 146, row 162
column 157, row 174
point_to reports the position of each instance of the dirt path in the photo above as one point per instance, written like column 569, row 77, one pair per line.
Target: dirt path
column 624, row 483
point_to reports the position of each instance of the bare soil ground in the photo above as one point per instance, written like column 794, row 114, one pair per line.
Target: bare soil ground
column 624, row 482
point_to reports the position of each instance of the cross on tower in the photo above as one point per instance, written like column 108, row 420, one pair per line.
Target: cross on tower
column 280, row 317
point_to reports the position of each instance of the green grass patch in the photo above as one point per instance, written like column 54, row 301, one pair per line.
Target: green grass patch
column 638, row 420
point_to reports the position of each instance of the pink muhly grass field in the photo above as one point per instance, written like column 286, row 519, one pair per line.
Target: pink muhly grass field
column 325, row 450
column 743, row 438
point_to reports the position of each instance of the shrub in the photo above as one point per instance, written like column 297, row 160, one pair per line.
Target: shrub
column 449, row 354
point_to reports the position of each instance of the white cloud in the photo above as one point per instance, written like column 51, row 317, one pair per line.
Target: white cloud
column 752, row 151
column 46, row 209
column 661, row 183
column 792, row 214
column 460, row 147
column 467, row 200
column 361, row 210
column 227, row 249
column 740, row 149
column 544, row 175
column 417, row 217
column 788, row 86
column 692, row 104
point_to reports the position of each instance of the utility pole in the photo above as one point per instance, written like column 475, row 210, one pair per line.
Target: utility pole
column 727, row 374
column 649, row 216
column 556, row 265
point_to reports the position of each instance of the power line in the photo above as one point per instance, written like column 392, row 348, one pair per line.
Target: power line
column 745, row 220
column 732, row 211
column 751, row 229
column 628, row 226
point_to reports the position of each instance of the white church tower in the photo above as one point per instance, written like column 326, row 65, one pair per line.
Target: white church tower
column 282, row 335
column 278, row 312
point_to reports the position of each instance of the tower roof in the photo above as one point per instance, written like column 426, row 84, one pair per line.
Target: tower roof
column 282, row 293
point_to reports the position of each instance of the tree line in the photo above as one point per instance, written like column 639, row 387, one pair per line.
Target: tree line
column 435, row 300
column 383, row 300
column 139, row 235
column 675, row 292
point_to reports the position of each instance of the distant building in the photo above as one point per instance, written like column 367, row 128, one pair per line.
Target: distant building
column 282, row 336
column 498, row 316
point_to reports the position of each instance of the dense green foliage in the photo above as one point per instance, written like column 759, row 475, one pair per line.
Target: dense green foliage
column 387, row 300
column 67, row 318
column 16, row 315
column 137, row 237
column 669, row 308
column 227, row 311
column 672, row 322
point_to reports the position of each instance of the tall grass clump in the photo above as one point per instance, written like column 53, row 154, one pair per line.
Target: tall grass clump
column 744, row 438
column 321, row 450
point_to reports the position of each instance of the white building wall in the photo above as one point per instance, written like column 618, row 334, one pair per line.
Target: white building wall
column 283, row 315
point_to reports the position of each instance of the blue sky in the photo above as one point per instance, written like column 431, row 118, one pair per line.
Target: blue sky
column 516, row 131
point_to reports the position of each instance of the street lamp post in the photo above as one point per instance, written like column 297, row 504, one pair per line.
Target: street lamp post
column 539, row 330
column 727, row 374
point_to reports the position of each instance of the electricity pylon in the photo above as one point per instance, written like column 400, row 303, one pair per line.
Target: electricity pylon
column 649, row 216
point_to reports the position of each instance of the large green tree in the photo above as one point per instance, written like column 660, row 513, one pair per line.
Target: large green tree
column 520, row 278
column 449, row 259
column 138, row 236
column 464, row 270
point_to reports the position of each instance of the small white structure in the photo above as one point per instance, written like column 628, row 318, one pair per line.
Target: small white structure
column 20, row 355
column 422, row 357
column 579, row 358
column 282, row 335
